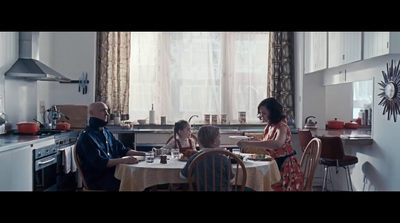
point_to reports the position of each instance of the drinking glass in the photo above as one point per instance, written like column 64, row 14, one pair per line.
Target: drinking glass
column 236, row 151
column 150, row 157
column 175, row 153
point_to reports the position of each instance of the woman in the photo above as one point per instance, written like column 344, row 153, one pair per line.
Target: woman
column 277, row 140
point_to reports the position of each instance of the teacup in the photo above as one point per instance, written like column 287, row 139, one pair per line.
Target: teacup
column 159, row 152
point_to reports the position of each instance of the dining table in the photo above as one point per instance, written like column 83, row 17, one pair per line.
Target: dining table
column 137, row 177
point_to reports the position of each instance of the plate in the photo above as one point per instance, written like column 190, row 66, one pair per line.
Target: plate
column 261, row 159
column 140, row 158
column 239, row 137
column 184, row 160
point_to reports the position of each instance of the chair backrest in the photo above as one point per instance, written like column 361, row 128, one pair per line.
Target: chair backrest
column 309, row 162
column 332, row 148
column 193, row 136
column 255, row 150
column 207, row 169
column 78, row 166
column 305, row 137
column 80, row 172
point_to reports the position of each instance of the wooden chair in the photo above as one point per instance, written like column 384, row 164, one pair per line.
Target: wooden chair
column 309, row 162
column 305, row 137
column 255, row 150
column 212, row 174
column 173, row 187
column 80, row 172
column 193, row 136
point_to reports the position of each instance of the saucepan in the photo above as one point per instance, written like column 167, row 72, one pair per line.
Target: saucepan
column 28, row 127
column 335, row 124
column 63, row 126
column 351, row 125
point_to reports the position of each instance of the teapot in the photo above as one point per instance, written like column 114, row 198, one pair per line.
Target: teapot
column 309, row 124
column 159, row 152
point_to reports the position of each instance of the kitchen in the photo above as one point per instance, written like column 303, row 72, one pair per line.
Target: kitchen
column 314, row 95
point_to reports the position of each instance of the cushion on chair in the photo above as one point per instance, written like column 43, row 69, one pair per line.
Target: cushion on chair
column 347, row 160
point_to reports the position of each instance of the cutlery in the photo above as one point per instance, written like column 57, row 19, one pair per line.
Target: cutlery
column 85, row 88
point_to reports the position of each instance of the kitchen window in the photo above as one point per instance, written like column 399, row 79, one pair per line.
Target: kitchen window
column 362, row 96
column 196, row 73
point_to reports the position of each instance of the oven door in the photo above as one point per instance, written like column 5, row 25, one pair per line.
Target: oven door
column 66, row 181
column 45, row 174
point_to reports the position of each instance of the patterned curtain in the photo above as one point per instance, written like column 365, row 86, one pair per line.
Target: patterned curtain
column 281, row 71
column 113, row 68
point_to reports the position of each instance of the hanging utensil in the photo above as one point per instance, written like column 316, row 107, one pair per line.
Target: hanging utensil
column 79, row 85
column 85, row 84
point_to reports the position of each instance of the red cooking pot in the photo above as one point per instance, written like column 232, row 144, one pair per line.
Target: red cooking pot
column 28, row 127
column 335, row 124
column 351, row 125
column 63, row 126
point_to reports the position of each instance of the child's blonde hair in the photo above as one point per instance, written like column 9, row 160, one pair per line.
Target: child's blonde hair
column 207, row 134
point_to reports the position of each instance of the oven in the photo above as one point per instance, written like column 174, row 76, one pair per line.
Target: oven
column 48, row 172
column 45, row 168
column 66, row 181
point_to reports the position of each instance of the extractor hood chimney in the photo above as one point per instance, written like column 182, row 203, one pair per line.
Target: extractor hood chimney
column 28, row 65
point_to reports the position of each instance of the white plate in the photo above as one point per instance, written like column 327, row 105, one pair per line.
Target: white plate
column 184, row 160
column 140, row 158
column 239, row 137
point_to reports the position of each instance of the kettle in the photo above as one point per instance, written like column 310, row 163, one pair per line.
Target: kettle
column 3, row 123
column 309, row 124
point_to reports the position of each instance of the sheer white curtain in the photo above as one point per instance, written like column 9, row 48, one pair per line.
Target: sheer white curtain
column 197, row 73
column 246, row 69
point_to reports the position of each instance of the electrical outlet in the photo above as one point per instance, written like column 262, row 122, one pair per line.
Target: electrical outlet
column 42, row 108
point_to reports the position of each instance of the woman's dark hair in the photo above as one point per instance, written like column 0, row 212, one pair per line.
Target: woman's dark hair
column 207, row 134
column 179, row 125
column 275, row 110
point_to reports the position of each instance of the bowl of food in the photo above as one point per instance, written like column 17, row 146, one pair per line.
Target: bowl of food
column 126, row 124
column 141, row 121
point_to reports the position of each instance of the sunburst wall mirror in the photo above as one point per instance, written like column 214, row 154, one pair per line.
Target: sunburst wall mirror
column 390, row 91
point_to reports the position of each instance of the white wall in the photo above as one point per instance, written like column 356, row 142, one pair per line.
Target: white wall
column 309, row 92
column 339, row 102
column 377, row 168
column 8, row 55
column 74, row 53
column 69, row 53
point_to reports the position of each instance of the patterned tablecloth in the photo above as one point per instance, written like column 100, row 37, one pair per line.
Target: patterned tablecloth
column 137, row 177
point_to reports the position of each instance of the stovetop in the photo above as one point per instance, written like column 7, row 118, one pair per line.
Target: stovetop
column 41, row 132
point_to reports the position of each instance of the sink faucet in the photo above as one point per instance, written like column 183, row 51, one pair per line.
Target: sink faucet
column 192, row 117
column 193, row 127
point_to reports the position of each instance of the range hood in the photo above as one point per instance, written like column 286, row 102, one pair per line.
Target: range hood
column 28, row 65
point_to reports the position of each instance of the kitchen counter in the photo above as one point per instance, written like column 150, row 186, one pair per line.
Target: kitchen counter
column 224, row 129
column 10, row 141
column 14, row 140
column 350, row 136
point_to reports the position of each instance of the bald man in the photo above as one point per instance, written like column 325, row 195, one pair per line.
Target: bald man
column 100, row 152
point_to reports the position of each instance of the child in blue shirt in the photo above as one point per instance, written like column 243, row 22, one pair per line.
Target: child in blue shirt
column 209, row 138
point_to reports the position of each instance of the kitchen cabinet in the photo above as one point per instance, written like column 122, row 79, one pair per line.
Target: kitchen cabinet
column 16, row 169
column 380, row 43
column 315, row 49
column 16, row 166
column 344, row 48
column 151, row 138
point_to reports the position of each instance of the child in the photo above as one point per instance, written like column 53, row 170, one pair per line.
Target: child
column 182, row 138
column 209, row 138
